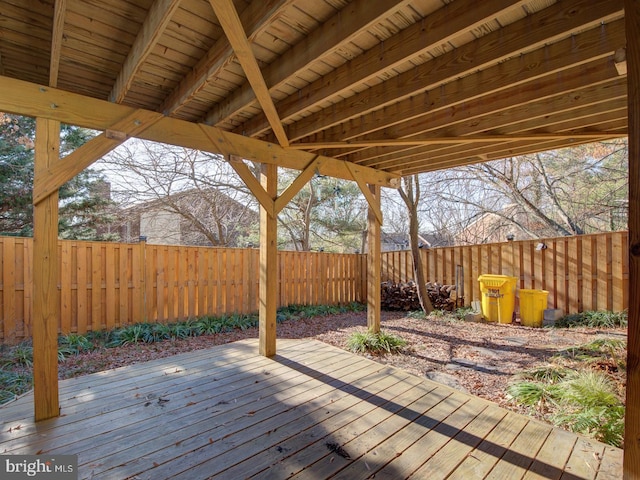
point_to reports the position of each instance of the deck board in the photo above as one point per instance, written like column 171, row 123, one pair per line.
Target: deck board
column 311, row 412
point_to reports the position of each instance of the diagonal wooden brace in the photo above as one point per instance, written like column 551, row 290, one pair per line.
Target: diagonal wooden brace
column 253, row 184
column 358, row 177
column 68, row 167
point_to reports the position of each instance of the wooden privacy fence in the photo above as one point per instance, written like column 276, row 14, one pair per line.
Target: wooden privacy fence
column 106, row 285
column 587, row 272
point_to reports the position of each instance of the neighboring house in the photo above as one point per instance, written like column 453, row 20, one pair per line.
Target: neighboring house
column 500, row 227
column 194, row 217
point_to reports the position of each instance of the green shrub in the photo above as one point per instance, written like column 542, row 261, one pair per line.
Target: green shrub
column 73, row 344
column 183, row 329
column 594, row 319
column 22, row 354
column 362, row 342
column 582, row 401
column 13, row 384
column 548, row 374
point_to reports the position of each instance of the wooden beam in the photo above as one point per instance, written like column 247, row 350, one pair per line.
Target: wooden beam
column 149, row 34
column 452, row 140
column 631, row 462
column 59, row 12
column 374, row 258
column 45, row 278
column 301, row 180
column 24, row 98
column 437, row 29
column 354, row 19
column 374, row 203
column 505, row 81
column 266, row 201
column 268, row 289
column 232, row 26
column 256, row 17
column 61, row 172
column 544, row 96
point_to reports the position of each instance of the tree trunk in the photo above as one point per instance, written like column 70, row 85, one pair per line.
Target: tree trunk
column 410, row 193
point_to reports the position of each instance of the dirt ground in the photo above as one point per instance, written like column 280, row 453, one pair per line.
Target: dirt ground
column 478, row 358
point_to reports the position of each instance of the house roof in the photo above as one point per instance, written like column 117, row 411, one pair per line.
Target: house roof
column 400, row 86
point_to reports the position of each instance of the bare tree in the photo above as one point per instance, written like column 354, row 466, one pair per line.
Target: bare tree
column 200, row 188
column 410, row 193
column 556, row 193
column 327, row 214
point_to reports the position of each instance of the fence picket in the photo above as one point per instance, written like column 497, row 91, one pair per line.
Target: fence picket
column 103, row 285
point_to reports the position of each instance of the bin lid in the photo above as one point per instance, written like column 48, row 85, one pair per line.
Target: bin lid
column 491, row 280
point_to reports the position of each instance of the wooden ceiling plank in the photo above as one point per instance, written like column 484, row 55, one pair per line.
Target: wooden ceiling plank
column 150, row 33
column 450, row 140
column 255, row 18
column 74, row 163
column 598, row 114
column 354, row 19
column 437, row 29
column 490, row 106
column 232, row 26
column 59, row 13
column 33, row 100
column 513, row 151
column 568, row 115
column 550, row 60
column 600, row 41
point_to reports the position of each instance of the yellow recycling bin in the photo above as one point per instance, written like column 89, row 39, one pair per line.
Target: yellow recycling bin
column 498, row 297
column 533, row 303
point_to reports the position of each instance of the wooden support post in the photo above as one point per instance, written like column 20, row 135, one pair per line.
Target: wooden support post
column 268, row 265
column 631, row 464
column 45, row 278
column 373, row 262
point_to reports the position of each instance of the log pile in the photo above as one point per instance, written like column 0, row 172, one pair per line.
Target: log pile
column 404, row 296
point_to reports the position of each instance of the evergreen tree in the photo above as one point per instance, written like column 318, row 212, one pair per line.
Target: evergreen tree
column 84, row 202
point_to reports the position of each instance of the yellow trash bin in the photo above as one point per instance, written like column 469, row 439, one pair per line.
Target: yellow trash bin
column 533, row 303
column 498, row 297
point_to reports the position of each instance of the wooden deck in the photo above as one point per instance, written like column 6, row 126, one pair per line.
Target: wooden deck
column 311, row 412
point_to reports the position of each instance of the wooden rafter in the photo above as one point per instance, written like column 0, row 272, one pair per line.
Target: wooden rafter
column 152, row 29
column 597, row 101
column 359, row 16
column 59, row 12
column 254, row 19
column 33, row 100
column 543, row 94
column 545, row 61
column 436, row 30
column 455, row 140
column 232, row 26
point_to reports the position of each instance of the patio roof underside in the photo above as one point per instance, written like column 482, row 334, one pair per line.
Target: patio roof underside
column 402, row 86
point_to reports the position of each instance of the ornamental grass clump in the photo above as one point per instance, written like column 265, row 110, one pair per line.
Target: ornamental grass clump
column 369, row 342
column 582, row 401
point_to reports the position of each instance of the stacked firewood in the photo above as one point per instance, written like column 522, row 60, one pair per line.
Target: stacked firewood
column 404, row 296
